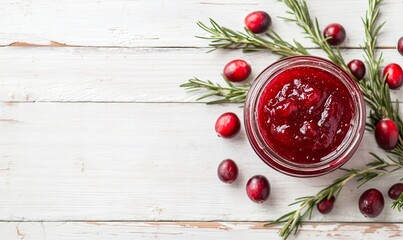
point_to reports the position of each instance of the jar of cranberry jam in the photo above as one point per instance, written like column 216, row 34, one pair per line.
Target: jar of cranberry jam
column 304, row 116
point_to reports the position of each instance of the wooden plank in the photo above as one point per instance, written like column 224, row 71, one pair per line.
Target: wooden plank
column 116, row 161
column 193, row 230
column 161, row 23
column 126, row 75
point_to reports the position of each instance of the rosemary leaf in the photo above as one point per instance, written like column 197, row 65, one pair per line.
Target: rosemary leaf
column 398, row 203
column 230, row 93
column 222, row 37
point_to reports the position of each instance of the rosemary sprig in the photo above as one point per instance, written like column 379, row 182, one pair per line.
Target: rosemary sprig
column 293, row 220
column 222, row 37
column 300, row 15
column 230, row 93
column 376, row 92
column 398, row 203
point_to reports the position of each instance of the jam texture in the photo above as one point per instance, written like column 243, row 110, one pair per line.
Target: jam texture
column 304, row 113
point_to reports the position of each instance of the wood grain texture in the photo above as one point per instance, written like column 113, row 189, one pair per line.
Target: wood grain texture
column 168, row 23
column 114, row 161
column 122, row 75
column 195, row 230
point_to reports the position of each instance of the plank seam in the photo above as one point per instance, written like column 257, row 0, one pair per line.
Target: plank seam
column 13, row 45
column 188, row 221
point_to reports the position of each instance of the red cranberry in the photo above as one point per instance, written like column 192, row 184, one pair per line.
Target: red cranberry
column 393, row 74
column 237, row 70
column 386, row 134
column 357, row 68
column 227, row 171
column 400, row 46
column 336, row 34
column 326, row 205
column 371, row 203
column 227, row 125
column 395, row 191
column 258, row 22
column 258, row 188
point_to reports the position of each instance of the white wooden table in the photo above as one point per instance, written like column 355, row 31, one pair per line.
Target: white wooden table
column 97, row 141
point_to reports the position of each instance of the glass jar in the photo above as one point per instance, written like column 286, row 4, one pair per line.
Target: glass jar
column 304, row 116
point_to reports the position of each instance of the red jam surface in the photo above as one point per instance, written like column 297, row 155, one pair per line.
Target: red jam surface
column 304, row 113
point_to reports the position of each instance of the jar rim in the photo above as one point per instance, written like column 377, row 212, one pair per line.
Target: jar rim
column 332, row 161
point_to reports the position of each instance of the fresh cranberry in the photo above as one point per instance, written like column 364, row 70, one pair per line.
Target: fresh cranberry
column 357, row 68
column 371, row 203
column 326, row 205
column 227, row 171
column 258, row 188
column 395, row 191
column 258, row 22
column 227, row 125
column 386, row 134
column 336, row 34
column 400, row 46
column 393, row 74
column 237, row 70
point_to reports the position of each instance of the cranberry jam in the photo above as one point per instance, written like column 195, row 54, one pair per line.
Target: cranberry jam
column 304, row 116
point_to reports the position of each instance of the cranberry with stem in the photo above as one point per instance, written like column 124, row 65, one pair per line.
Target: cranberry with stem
column 395, row 191
column 393, row 75
column 371, row 203
column 237, row 70
column 335, row 34
column 227, row 171
column 326, row 205
column 258, row 22
column 227, row 125
column 386, row 134
column 258, row 188
column 357, row 68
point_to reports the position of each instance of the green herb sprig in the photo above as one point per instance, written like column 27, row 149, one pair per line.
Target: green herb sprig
column 222, row 37
column 300, row 15
column 230, row 93
column 293, row 220
column 398, row 203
